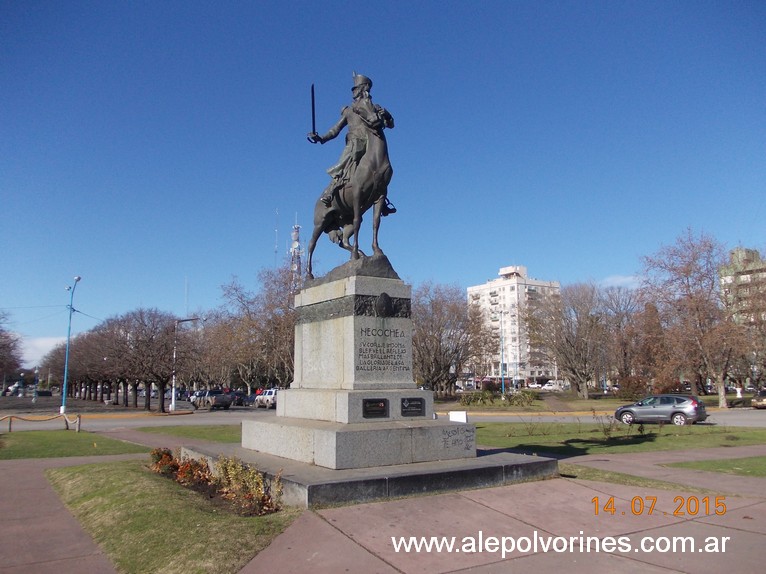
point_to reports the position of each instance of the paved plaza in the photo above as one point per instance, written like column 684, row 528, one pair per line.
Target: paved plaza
column 491, row 530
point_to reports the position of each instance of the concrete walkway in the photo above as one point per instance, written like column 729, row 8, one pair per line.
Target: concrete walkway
column 41, row 536
column 359, row 538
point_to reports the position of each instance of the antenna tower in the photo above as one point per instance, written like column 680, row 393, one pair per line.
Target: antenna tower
column 276, row 235
column 296, row 253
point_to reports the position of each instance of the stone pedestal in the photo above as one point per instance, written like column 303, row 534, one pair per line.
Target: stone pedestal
column 353, row 402
column 360, row 445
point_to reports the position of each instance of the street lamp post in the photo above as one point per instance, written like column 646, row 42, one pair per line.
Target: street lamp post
column 175, row 347
column 68, row 337
column 502, row 353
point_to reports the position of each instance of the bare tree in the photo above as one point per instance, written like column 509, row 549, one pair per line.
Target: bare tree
column 134, row 348
column 620, row 306
column 87, row 365
column 682, row 281
column 53, row 364
column 652, row 352
column 276, row 302
column 116, row 346
column 444, row 329
column 214, row 355
column 262, row 327
column 483, row 342
column 10, row 348
column 570, row 326
column 150, row 350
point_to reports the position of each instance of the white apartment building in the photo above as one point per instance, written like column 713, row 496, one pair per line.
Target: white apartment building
column 502, row 301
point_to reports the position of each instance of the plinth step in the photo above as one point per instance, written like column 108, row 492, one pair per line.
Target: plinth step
column 307, row 485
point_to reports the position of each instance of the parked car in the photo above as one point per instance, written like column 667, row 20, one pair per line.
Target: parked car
column 759, row 400
column 550, row 387
column 677, row 409
column 215, row 399
column 241, row 399
column 267, row 399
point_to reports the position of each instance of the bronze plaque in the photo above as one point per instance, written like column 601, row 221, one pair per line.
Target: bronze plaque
column 375, row 408
column 415, row 407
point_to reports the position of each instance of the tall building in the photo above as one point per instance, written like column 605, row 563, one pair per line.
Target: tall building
column 743, row 282
column 503, row 301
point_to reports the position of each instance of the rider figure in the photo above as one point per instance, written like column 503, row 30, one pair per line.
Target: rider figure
column 362, row 118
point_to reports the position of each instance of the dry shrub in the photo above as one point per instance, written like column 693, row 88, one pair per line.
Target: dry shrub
column 246, row 490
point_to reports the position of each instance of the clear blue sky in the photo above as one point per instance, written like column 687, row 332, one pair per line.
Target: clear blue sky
column 148, row 146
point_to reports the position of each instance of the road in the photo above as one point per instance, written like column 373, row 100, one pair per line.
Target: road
column 104, row 421
column 731, row 417
column 723, row 417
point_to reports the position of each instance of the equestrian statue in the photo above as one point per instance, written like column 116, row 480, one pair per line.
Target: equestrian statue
column 360, row 179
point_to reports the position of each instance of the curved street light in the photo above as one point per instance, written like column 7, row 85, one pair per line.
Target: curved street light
column 68, row 337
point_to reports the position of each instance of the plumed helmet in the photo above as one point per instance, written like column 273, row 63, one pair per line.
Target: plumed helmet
column 359, row 79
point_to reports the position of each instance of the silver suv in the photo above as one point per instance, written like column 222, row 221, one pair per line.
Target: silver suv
column 677, row 409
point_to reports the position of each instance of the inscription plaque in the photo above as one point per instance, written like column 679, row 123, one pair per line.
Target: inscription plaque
column 414, row 407
column 383, row 351
column 375, row 408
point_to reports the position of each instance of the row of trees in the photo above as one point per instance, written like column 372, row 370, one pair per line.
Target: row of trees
column 245, row 344
column 676, row 327
column 10, row 348
column 248, row 343
column 680, row 325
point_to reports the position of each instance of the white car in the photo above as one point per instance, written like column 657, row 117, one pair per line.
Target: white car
column 549, row 387
column 267, row 399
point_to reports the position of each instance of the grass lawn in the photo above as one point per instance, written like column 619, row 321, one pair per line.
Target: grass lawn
column 597, row 402
column 217, row 433
column 589, row 437
column 61, row 443
column 567, row 470
column 593, row 435
column 752, row 466
column 148, row 523
column 569, row 401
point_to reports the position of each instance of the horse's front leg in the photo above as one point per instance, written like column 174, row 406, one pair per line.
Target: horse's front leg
column 345, row 241
column 377, row 209
column 312, row 244
column 357, row 227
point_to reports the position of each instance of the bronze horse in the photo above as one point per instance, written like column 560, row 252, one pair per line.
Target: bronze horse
column 367, row 187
